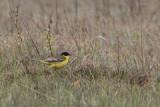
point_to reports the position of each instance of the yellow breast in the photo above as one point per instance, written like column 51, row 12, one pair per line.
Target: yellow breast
column 59, row 65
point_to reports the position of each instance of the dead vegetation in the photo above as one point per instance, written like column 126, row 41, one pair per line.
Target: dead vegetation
column 114, row 44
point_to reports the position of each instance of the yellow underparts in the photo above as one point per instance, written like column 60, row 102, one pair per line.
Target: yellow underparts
column 58, row 65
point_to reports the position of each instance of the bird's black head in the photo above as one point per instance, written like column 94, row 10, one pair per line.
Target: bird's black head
column 65, row 54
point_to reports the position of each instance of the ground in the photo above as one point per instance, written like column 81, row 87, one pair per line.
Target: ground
column 114, row 45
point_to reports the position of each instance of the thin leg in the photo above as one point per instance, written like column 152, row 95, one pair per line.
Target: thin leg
column 59, row 73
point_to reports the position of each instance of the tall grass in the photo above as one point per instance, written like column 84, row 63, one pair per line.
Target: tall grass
column 114, row 45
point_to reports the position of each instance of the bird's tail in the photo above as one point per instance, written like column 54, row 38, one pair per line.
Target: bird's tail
column 41, row 61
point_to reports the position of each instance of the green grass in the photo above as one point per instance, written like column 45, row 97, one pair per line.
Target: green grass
column 114, row 46
column 60, row 92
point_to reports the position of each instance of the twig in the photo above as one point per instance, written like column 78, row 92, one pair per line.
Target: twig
column 57, row 16
column 11, row 16
column 142, row 54
column 73, row 60
column 58, row 73
column 35, row 91
column 118, row 58
column 76, row 11
column 33, row 42
column 76, row 42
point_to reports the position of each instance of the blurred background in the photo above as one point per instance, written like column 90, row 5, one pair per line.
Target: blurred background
column 121, row 12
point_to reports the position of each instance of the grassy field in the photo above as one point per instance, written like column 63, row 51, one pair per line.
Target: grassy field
column 115, row 47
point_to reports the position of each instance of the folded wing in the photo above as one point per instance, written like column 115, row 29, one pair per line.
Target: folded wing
column 59, row 59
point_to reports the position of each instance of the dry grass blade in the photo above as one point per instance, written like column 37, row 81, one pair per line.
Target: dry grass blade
column 37, row 92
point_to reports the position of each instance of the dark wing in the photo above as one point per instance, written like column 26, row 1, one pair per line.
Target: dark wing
column 59, row 59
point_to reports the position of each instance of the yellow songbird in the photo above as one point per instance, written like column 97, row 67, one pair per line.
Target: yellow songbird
column 58, row 62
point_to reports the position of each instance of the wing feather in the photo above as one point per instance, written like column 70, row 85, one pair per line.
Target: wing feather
column 59, row 59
